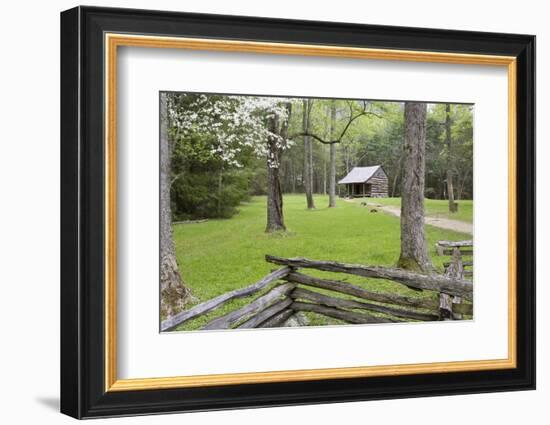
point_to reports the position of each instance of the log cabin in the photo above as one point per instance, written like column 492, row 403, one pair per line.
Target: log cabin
column 369, row 181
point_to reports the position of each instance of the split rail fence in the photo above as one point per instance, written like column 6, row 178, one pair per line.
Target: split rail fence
column 457, row 250
column 292, row 291
column 455, row 268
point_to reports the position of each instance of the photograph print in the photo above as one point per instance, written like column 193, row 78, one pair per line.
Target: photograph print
column 280, row 212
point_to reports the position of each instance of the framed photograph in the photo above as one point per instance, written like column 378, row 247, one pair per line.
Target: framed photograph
column 261, row 212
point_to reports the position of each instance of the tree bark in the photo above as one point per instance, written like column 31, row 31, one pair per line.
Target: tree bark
column 453, row 206
column 220, row 191
column 414, row 252
column 275, row 218
column 332, row 161
column 308, row 169
column 173, row 292
column 325, row 191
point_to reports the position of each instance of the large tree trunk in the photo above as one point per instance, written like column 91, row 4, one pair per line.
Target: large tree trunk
column 414, row 252
column 332, row 161
column 173, row 292
column 275, row 217
column 453, row 206
column 325, row 191
column 308, row 154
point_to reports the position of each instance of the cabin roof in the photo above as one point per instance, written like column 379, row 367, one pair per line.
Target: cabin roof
column 359, row 174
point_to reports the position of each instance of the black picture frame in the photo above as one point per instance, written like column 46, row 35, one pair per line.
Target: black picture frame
column 82, row 218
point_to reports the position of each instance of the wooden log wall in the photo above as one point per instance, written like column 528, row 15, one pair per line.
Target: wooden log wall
column 379, row 184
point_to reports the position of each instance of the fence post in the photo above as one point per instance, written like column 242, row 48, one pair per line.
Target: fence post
column 456, row 271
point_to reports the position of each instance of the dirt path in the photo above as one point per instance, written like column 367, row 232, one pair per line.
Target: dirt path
column 443, row 223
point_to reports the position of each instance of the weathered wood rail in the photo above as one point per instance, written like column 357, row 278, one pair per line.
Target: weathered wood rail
column 214, row 303
column 289, row 293
column 447, row 247
column 457, row 249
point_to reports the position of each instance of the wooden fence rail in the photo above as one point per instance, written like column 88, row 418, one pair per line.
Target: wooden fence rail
column 214, row 303
column 256, row 306
column 447, row 247
column 287, row 297
column 431, row 282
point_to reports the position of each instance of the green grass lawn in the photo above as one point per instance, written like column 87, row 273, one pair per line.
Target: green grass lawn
column 435, row 207
column 217, row 256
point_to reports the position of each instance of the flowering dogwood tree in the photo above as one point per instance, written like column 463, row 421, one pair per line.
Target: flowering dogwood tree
column 236, row 123
column 232, row 124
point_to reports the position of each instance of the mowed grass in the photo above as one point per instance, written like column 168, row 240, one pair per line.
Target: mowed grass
column 218, row 256
column 436, row 208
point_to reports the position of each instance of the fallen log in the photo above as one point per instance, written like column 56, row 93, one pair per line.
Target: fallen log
column 336, row 313
column 431, row 282
column 214, row 303
column 304, row 294
column 228, row 320
column 350, row 289
column 263, row 315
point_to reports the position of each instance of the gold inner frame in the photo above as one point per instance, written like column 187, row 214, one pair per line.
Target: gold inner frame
column 113, row 41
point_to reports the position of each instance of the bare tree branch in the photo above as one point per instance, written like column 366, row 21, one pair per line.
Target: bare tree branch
column 352, row 117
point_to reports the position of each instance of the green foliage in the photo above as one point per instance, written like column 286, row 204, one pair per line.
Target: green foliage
column 204, row 187
column 218, row 256
column 209, row 193
column 377, row 138
column 200, row 154
column 458, row 159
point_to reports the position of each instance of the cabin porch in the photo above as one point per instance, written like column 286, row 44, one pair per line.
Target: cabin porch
column 358, row 190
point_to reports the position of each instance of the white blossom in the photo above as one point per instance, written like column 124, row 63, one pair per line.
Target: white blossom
column 233, row 122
